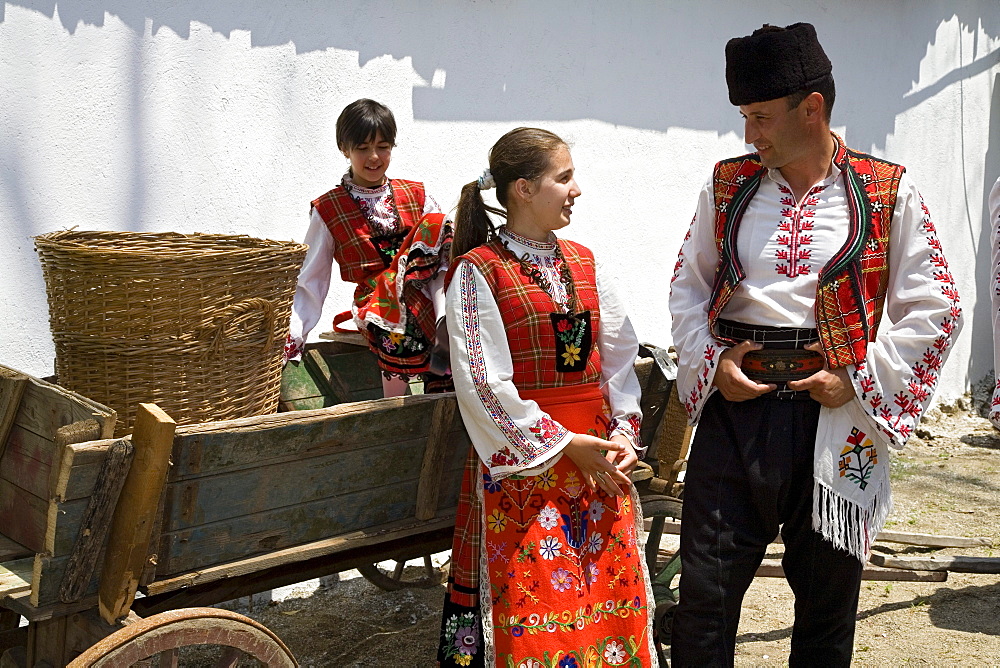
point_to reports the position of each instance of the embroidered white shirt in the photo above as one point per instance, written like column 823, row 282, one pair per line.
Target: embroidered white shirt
column 494, row 414
column 893, row 385
column 793, row 241
column 995, row 254
column 317, row 267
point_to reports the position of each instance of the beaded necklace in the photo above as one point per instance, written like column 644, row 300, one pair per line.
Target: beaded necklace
column 572, row 329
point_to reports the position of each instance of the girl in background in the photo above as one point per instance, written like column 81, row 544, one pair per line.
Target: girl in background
column 391, row 239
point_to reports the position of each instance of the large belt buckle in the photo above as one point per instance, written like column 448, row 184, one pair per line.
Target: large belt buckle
column 780, row 365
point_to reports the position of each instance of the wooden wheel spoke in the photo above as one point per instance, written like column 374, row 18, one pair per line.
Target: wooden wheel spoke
column 427, row 575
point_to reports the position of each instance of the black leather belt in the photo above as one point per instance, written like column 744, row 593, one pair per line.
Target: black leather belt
column 782, row 358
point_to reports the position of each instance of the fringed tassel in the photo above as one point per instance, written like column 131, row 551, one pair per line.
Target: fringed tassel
column 846, row 524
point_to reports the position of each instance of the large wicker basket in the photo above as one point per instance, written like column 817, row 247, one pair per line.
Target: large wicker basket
column 192, row 322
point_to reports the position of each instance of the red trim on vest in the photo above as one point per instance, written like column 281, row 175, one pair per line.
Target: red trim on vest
column 852, row 286
column 525, row 308
column 354, row 250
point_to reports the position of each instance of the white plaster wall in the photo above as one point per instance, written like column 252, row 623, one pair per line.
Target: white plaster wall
column 219, row 117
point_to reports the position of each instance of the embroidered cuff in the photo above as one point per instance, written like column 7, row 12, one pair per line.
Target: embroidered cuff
column 293, row 349
column 629, row 428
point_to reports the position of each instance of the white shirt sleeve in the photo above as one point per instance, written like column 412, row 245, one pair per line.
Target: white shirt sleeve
column 510, row 434
column 618, row 346
column 895, row 383
column 430, row 204
column 313, row 284
column 995, row 254
column 690, row 299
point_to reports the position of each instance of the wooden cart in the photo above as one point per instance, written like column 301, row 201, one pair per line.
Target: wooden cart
column 245, row 506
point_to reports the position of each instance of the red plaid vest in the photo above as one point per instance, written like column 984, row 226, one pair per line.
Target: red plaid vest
column 525, row 309
column 851, row 288
column 354, row 245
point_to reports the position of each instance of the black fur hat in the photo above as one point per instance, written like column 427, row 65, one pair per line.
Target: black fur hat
column 774, row 62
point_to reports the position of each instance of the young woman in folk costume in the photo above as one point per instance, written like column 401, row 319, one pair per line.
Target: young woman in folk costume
column 547, row 568
column 390, row 238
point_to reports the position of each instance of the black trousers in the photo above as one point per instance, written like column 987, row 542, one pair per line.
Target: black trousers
column 749, row 475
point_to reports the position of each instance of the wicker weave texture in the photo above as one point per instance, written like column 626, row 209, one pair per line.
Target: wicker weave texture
column 192, row 322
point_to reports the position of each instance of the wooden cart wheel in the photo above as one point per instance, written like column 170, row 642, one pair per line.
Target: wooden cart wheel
column 164, row 634
column 424, row 577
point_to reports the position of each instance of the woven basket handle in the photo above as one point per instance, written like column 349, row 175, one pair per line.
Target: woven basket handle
column 228, row 317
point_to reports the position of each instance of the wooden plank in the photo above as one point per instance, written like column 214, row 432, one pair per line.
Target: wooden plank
column 20, row 603
column 131, row 529
column 771, row 568
column 438, row 444
column 327, row 384
column 15, row 576
column 47, row 643
column 48, row 593
column 344, row 339
column 24, row 516
column 923, row 539
column 297, row 383
column 28, row 461
column 259, row 580
column 208, row 544
column 46, row 407
column 251, row 442
column 12, row 385
column 954, row 564
column 214, row 498
column 10, row 550
column 153, row 554
column 290, row 556
column 79, row 468
column 96, row 522
column 930, row 540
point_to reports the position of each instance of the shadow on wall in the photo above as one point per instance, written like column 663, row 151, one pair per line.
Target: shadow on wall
column 652, row 66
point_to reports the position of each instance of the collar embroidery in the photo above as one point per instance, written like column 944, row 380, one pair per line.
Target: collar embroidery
column 530, row 243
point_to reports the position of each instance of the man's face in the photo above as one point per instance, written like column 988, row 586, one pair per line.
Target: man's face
column 776, row 132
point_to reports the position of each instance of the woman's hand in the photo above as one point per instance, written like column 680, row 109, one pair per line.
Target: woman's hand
column 588, row 453
column 626, row 459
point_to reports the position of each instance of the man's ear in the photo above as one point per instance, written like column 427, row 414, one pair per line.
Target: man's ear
column 814, row 105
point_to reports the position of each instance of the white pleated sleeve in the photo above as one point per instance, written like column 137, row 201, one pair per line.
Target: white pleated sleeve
column 995, row 255
column 922, row 317
column 690, row 298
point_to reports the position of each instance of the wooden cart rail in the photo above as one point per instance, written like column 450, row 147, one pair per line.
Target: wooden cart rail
column 247, row 504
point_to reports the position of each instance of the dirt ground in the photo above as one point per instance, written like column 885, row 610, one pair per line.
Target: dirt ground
column 946, row 482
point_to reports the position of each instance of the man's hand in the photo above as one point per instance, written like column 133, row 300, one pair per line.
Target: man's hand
column 831, row 388
column 730, row 379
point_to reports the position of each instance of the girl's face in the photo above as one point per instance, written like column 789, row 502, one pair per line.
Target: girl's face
column 553, row 193
column 369, row 161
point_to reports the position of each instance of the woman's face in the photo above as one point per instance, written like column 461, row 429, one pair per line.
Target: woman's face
column 369, row 161
column 551, row 196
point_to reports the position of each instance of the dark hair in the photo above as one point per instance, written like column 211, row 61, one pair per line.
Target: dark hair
column 824, row 87
column 522, row 153
column 361, row 120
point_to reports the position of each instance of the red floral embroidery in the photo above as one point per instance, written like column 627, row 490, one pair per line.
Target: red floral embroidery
column 795, row 221
column 900, row 417
column 504, row 458
column 545, row 428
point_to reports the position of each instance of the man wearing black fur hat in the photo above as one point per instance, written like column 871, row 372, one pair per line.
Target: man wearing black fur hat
column 795, row 252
